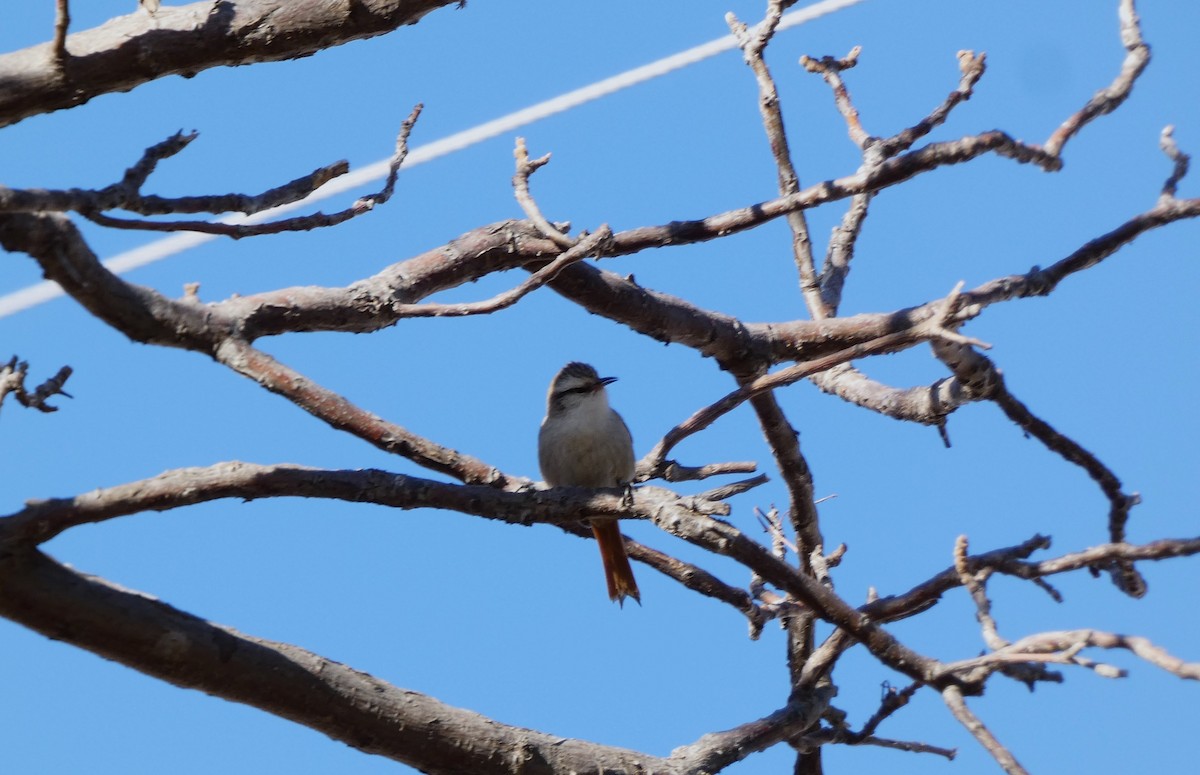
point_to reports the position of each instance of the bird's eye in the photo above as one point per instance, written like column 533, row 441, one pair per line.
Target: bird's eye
column 580, row 389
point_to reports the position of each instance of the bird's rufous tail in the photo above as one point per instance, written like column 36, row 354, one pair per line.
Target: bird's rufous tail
column 617, row 571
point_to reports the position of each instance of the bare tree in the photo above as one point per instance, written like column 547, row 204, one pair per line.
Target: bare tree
column 791, row 576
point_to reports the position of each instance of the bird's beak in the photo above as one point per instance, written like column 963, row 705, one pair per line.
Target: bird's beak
column 605, row 381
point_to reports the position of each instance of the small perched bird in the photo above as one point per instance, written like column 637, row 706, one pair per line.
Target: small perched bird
column 584, row 443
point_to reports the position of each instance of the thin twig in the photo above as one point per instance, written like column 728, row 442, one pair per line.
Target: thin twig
column 701, row 419
column 62, row 20
column 841, row 245
column 972, row 67
column 588, row 245
column 982, row 379
column 136, row 176
column 912, row 746
column 1162, row 549
column 830, row 69
column 772, row 524
column 734, row 488
column 1181, row 160
column 672, row 471
column 126, row 195
column 753, row 43
column 525, row 168
column 340, row 414
column 12, row 380
column 953, row 697
column 691, row 576
column 398, row 156
column 892, row 701
column 1064, row 648
column 1109, row 98
column 975, row 583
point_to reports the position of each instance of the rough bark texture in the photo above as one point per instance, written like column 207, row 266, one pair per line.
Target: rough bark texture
column 128, row 51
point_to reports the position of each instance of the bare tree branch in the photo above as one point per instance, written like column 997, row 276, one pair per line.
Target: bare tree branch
column 791, row 580
column 42, row 520
column 1109, row 98
column 345, row 704
column 184, row 40
column 1180, row 159
column 62, row 20
column 972, row 67
column 12, row 380
column 127, row 195
column 525, row 169
column 954, row 700
column 343, row 415
column 715, row 751
column 984, row 380
column 587, row 245
column 1064, row 647
column 975, row 583
column 929, row 328
column 753, row 43
column 830, row 68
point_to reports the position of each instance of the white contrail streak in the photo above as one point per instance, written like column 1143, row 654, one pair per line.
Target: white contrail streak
column 15, row 302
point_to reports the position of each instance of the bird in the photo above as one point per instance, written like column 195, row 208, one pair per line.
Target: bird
column 583, row 442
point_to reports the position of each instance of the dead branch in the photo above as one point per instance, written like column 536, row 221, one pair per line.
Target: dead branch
column 41, row 520
column 12, row 380
column 185, row 40
column 343, row 415
column 690, row 576
column 525, row 169
column 715, row 751
column 975, row 583
column 983, row 380
column 1065, row 646
column 929, row 328
column 796, row 590
column 1108, row 99
column 62, row 20
column 753, row 44
column 345, row 704
column 127, row 195
column 586, row 246
column 831, row 68
column 953, row 697
column 1181, row 160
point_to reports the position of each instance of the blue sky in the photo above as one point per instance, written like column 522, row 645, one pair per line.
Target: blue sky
column 513, row 622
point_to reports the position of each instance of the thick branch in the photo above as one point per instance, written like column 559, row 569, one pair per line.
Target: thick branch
column 368, row 305
column 128, row 51
column 345, row 704
column 716, row 750
column 41, row 520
